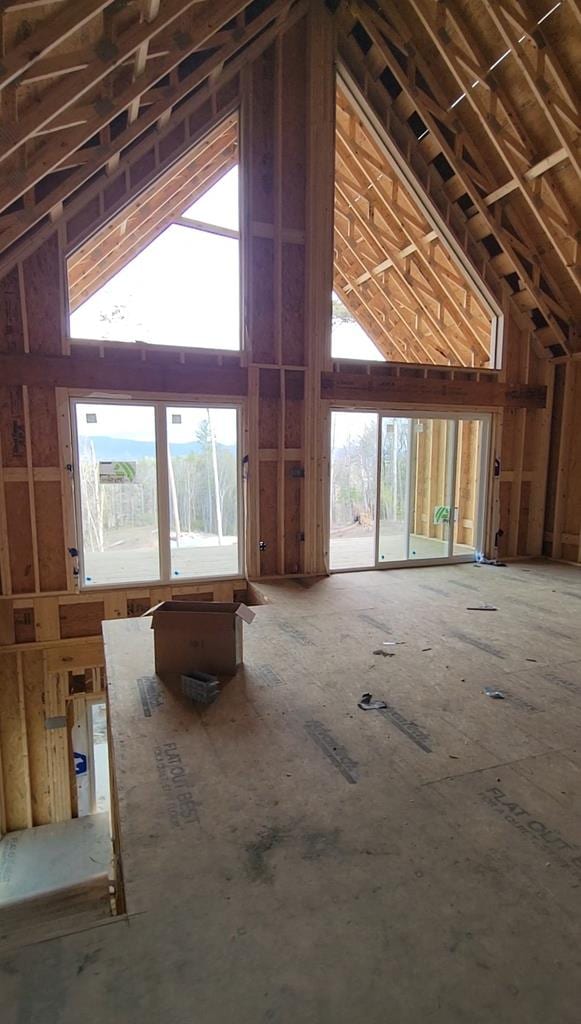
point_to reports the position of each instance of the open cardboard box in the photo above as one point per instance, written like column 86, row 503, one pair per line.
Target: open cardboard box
column 192, row 636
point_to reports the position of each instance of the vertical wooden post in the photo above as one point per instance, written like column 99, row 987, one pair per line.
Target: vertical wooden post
column 562, row 482
column 287, row 158
column 319, row 270
column 542, row 421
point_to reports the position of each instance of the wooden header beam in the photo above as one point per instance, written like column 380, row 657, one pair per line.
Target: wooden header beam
column 380, row 388
column 157, row 372
column 163, row 373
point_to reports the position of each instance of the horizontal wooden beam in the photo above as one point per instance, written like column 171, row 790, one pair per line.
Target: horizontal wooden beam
column 158, row 372
column 378, row 387
column 187, row 372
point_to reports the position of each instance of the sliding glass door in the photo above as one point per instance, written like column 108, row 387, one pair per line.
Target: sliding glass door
column 406, row 488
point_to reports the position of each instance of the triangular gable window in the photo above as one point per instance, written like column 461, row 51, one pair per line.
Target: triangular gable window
column 167, row 271
column 392, row 270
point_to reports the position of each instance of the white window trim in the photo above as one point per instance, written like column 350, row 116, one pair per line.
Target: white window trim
column 160, row 407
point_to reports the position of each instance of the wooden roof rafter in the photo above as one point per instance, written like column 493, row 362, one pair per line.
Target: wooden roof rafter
column 547, row 80
column 575, row 6
column 50, row 34
column 395, row 290
column 200, row 80
column 375, row 294
column 380, row 328
column 107, row 56
column 461, row 53
column 383, row 320
column 382, row 54
column 390, row 297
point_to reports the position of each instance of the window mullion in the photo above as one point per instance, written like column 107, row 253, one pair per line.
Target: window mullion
column 211, row 229
column 163, row 523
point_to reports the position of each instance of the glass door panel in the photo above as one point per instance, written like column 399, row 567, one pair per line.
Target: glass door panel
column 432, row 470
column 353, row 489
column 117, row 466
column 203, row 491
column 394, row 505
column 468, row 486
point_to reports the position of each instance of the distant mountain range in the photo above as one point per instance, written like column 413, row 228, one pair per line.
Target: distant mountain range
column 116, row 449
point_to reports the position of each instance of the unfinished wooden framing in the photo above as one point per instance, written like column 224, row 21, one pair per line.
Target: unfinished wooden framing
column 274, row 73
column 411, row 63
column 392, row 269
column 139, row 223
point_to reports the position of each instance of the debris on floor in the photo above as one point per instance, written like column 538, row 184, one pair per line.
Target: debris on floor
column 368, row 704
column 426, row 649
column 481, row 559
column 495, row 694
column 200, row 687
column 385, row 654
column 393, row 643
column 481, row 608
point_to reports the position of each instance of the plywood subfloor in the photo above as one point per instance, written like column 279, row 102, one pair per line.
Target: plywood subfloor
column 289, row 858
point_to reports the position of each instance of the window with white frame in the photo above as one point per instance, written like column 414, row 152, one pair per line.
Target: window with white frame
column 182, row 288
column 157, row 491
